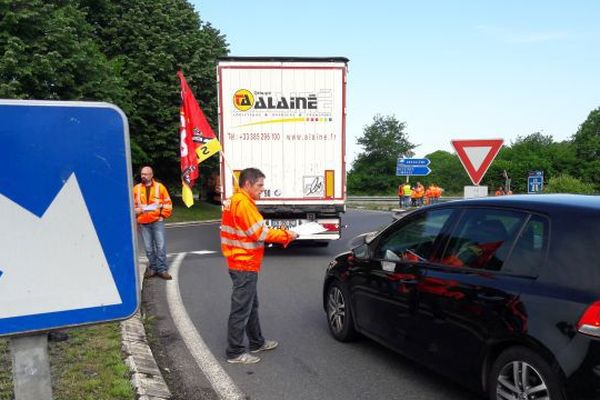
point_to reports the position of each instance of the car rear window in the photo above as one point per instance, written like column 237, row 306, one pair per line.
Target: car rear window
column 527, row 256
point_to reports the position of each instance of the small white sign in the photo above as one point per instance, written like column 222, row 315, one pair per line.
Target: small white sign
column 313, row 186
column 473, row 192
column 388, row 266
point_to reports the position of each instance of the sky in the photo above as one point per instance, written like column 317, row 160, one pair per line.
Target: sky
column 448, row 69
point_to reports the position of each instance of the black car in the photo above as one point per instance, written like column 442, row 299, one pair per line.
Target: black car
column 501, row 294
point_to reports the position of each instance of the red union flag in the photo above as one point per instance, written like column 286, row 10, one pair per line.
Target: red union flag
column 476, row 155
column 194, row 133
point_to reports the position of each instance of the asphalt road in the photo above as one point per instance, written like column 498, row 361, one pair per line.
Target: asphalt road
column 309, row 363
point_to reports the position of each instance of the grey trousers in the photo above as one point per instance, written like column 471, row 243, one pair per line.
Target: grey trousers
column 243, row 317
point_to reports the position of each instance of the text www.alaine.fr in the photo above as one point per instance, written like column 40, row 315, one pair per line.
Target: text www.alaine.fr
column 312, row 136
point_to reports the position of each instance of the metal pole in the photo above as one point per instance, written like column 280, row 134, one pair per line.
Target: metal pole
column 31, row 367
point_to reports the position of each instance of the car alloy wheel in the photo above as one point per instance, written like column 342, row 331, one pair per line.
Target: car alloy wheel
column 521, row 374
column 519, row 380
column 339, row 317
column 336, row 310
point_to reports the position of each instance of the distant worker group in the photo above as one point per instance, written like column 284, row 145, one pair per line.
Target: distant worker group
column 501, row 192
column 417, row 195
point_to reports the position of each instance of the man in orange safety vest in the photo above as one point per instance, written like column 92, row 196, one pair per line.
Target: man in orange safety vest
column 243, row 237
column 152, row 205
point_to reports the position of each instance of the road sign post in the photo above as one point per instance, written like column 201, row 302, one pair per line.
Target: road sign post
column 31, row 367
column 68, row 249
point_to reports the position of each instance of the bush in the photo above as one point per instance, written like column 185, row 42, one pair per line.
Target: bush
column 568, row 184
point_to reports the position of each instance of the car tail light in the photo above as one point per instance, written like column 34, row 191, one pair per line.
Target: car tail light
column 331, row 227
column 589, row 323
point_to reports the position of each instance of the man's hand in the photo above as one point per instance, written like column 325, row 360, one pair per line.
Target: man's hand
column 293, row 234
column 138, row 210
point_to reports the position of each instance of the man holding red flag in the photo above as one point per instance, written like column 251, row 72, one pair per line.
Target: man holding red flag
column 197, row 140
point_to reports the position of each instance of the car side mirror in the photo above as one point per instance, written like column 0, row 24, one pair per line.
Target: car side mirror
column 360, row 245
column 361, row 252
column 364, row 238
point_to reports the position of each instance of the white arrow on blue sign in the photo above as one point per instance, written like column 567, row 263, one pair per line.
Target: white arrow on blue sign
column 412, row 171
column 423, row 162
column 67, row 254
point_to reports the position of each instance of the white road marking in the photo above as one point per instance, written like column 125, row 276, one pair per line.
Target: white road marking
column 222, row 383
column 201, row 252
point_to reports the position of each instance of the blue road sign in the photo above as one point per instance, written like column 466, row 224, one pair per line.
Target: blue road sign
column 67, row 254
column 535, row 182
column 412, row 167
column 412, row 171
column 423, row 162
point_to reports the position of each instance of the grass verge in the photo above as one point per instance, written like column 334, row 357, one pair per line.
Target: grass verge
column 87, row 366
column 200, row 211
column 6, row 387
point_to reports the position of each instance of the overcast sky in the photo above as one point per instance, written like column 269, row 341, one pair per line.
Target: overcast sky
column 449, row 69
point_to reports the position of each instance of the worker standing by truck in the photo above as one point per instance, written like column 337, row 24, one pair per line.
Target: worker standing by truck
column 243, row 237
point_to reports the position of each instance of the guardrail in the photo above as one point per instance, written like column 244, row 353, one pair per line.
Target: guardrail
column 386, row 199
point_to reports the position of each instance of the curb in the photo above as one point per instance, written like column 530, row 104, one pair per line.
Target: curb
column 146, row 377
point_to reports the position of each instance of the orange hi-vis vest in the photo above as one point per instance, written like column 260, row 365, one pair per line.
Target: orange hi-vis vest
column 157, row 204
column 419, row 192
column 244, row 233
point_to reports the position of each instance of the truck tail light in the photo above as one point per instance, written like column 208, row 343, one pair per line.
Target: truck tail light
column 589, row 323
column 331, row 227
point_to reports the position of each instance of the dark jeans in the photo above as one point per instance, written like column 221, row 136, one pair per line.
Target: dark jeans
column 243, row 317
column 153, row 236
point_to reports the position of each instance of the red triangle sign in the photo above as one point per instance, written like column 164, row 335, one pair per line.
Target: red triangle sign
column 476, row 155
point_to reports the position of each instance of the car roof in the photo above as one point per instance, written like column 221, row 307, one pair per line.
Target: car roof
column 539, row 202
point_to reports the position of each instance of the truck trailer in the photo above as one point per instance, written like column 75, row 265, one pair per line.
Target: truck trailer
column 287, row 117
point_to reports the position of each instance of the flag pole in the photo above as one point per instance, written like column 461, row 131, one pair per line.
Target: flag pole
column 235, row 178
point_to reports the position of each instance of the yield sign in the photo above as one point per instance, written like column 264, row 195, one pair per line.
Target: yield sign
column 476, row 155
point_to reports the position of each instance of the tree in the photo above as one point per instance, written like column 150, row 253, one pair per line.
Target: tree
column 567, row 184
column 49, row 52
column 124, row 52
column 534, row 152
column 447, row 172
column 587, row 148
column 150, row 40
column 373, row 171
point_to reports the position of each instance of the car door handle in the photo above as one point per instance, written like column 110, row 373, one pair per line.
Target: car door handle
column 409, row 281
column 489, row 297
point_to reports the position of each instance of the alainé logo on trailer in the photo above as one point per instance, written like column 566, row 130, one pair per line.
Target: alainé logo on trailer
column 244, row 100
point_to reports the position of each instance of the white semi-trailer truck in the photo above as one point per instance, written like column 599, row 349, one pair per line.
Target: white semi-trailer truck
column 287, row 117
